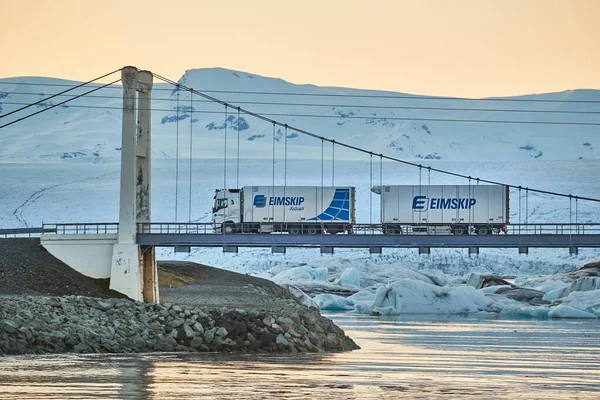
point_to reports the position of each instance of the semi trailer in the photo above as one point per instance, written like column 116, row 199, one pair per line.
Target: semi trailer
column 293, row 209
column 444, row 209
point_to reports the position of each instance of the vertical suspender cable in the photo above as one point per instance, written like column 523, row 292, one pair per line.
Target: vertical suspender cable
column 273, row 187
column 285, row 157
column 225, row 154
column 333, row 163
column 191, row 153
column 273, row 156
column 285, row 139
column 177, row 156
column 526, row 205
column 570, row 212
column 576, row 213
column 381, row 184
column 237, row 183
column 371, row 187
column 519, row 209
column 322, row 170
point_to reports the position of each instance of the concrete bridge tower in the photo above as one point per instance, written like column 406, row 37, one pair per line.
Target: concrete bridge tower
column 133, row 269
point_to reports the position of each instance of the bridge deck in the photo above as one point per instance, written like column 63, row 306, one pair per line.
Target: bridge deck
column 366, row 236
column 366, row 241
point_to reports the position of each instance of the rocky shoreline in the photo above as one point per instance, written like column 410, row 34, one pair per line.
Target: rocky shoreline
column 80, row 324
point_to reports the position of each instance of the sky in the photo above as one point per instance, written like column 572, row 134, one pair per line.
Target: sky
column 467, row 48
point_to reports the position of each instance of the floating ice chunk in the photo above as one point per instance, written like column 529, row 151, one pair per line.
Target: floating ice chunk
column 333, row 303
column 304, row 273
column 493, row 289
column 350, row 277
column 363, row 295
column 416, row 297
column 589, row 301
column 554, row 294
column 563, row 311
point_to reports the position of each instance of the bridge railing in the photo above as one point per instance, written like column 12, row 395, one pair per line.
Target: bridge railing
column 365, row 229
column 94, row 228
column 24, row 232
column 203, row 228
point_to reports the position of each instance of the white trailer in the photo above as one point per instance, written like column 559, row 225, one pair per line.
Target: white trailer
column 293, row 209
column 457, row 209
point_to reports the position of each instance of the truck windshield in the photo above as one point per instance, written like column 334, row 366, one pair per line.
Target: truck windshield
column 220, row 204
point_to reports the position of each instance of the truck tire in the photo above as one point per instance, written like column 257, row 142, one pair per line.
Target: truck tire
column 483, row 230
column 228, row 228
column 313, row 230
column 392, row 230
column 460, row 230
column 294, row 230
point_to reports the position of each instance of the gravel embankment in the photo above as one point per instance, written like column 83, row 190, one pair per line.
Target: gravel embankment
column 37, row 324
column 219, row 311
column 27, row 268
column 216, row 288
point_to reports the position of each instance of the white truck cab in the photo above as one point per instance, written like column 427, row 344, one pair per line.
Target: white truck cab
column 226, row 208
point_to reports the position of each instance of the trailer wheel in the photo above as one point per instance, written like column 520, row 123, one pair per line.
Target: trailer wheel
column 294, row 230
column 392, row 230
column 460, row 230
column 483, row 230
column 313, row 230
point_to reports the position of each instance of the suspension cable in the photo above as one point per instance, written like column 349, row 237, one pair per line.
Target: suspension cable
column 358, row 149
column 177, row 157
column 322, row 170
column 59, row 104
column 370, row 189
column 61, row 93
column 225, row 153
column 333, row 163
column 526, row 205
column 191, row 154
column 285, row 157
column 273, row 184
column 237, row 184
column 429, row 176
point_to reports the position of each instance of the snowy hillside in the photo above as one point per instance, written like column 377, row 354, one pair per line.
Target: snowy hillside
column 88, row 129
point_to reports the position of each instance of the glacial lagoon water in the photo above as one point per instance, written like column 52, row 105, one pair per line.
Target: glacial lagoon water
column 403, row 356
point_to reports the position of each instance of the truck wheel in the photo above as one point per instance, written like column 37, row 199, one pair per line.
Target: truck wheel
column 460, row 230
column 483, row 230
column 392, row 230
column 294, row 230
column 312, row 230
column 228, row 228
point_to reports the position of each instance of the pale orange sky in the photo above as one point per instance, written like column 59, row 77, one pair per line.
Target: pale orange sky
column 472, row 48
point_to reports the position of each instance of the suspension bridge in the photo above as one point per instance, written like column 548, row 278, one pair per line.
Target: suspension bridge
column 125, row 250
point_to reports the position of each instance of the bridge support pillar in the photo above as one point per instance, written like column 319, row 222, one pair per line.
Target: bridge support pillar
column 473, row 250
column 150, row 270
column 374, row 250
column 573, row 250
column 523, row 250
column 424, row 250
column 326, row 250
column 182, row 249
column 278, row 249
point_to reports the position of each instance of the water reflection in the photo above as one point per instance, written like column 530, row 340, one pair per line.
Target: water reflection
column 412, row 357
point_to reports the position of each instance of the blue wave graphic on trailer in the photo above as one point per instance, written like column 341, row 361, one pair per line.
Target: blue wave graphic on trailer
column 339, row 209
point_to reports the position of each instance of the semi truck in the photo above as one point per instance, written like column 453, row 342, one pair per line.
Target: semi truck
column 293, row 209
column 444, row 209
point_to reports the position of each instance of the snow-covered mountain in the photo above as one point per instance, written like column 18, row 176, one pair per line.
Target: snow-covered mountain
column 89, row 128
